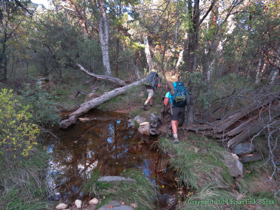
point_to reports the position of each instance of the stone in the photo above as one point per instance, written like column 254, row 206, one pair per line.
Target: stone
column 93, row 201
column 250, row 158
column 61, row 206
column 133, row 205
column 144, row 128
column 244, row 149
column 155, row 121
column 136, row 119
column 115, row 179
column 55, row 197
column 110, row 204
column 78, row 203
column 235, row 167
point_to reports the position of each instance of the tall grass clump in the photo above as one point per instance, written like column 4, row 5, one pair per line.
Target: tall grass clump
column 198, row 162
column 22, row 161
column 141, row 193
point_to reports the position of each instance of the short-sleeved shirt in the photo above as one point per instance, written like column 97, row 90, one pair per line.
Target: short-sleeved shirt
column 168, row 94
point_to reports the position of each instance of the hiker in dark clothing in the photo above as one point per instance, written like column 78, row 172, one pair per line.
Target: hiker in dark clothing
column 152, row 83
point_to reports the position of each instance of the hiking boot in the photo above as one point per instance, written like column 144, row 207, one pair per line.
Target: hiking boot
column 175, row 140
column 151, row 105
column 144, row 107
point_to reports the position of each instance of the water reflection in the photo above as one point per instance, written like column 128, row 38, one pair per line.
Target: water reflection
column 107, row 144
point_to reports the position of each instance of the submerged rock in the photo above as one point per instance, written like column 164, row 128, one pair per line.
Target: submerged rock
column 116, row 179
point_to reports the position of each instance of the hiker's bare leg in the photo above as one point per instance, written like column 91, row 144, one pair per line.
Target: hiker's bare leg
column 174, row 124
column 151, row 101
column 147, row 101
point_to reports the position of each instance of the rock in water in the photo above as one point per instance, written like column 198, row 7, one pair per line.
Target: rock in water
column 144, row 128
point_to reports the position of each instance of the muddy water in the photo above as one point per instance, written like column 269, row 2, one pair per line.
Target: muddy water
column 107, row 144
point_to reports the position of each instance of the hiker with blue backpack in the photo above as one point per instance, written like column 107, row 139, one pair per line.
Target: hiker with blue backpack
column 178, row 101
column 151, row 83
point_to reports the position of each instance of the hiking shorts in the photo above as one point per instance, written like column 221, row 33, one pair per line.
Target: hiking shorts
column 150, row 93
column 178, row 113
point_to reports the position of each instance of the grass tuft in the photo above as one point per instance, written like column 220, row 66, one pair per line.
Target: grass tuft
column 142, row 192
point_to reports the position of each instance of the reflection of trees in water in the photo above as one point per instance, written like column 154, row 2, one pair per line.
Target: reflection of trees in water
column 109, row 146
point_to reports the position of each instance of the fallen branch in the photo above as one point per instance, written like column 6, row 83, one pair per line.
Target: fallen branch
column 103, row 77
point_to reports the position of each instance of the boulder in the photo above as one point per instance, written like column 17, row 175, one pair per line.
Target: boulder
column 144, row 128
column 250, row 158
column 155, row 121
column 136, row 119
column 235, row 167
column 244, row 149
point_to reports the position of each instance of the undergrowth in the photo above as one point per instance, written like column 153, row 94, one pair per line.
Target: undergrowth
column 141, row 193
column 23, row 186
column 199, row 166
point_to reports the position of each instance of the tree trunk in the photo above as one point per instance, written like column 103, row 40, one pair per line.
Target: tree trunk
column 104, row 37
column 179, row 60
column 257, row 81
column 147, row 51
column 117, row 56
column 87, row 106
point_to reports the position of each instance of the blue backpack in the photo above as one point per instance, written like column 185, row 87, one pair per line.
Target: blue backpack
column 181, row 94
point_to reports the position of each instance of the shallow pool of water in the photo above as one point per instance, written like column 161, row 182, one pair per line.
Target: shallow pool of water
column 107, row 144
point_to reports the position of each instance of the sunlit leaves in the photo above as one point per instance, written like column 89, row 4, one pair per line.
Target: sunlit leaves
column 17, row 134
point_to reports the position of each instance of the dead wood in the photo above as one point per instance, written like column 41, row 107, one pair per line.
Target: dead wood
column 255, row 127
column 222, row 125
column 242, row 124
column 89, row 119
column 85, row 107
column 102, row 77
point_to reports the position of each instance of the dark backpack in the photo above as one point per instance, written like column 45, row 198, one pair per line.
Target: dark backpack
column 152, row 80
column 181, row 94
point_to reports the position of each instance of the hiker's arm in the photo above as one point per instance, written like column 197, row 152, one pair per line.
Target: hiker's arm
column 165, row 101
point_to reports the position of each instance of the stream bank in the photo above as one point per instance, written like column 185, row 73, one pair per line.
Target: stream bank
column 200, row 172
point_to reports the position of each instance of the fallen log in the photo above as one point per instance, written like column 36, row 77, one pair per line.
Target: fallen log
column 103, row 77
column 255, row 127
column 222, row 125
column 89, row 119
column 85, row 107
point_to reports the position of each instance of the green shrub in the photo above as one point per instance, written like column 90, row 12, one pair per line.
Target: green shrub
column 41, row 105
column 18, row 135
